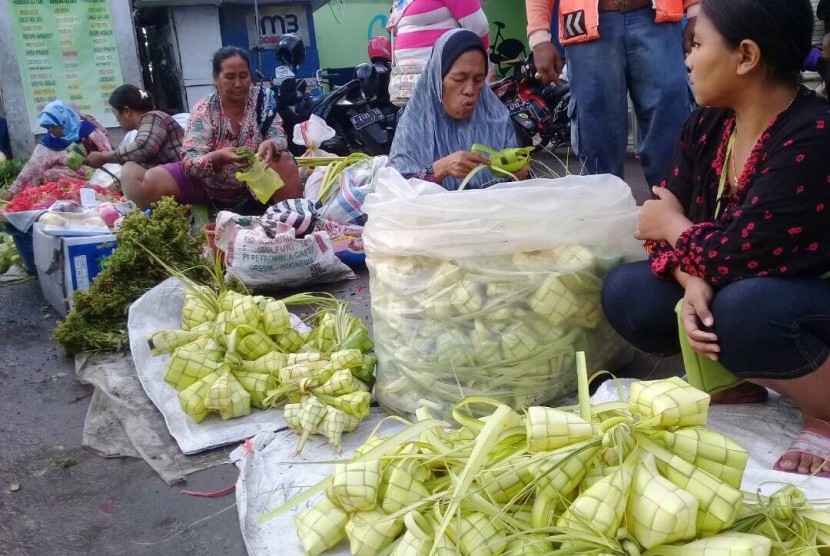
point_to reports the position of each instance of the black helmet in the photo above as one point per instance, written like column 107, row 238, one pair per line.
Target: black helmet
column 291, row 50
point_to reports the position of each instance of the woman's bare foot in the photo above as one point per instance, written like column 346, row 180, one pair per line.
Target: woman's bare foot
column 809, row 452
column 745, row 392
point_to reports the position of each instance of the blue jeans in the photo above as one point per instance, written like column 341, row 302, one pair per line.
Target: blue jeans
column 635, row 55
column 767, row 327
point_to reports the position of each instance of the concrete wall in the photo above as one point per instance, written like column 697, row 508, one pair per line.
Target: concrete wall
column 11, row 87
column 343, row 28
column 197, row 38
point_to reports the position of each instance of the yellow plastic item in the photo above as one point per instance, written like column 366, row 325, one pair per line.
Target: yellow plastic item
column 262, row 180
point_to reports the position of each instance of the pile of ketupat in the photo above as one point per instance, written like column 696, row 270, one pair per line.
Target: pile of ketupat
column 238, row 351
column 642, row 477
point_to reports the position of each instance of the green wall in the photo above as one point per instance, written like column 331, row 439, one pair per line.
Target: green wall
column 343, row 27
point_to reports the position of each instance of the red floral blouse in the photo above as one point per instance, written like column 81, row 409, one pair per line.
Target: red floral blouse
column 777, row 221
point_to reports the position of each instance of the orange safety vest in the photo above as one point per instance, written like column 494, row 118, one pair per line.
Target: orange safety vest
column 579, row 19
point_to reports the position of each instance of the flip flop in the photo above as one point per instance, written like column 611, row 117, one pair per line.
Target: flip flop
column 811, row 444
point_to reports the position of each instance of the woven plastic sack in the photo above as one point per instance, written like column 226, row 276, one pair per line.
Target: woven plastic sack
column 402, row 82
column 266, row 253
column 349, row 191
column 491, row 292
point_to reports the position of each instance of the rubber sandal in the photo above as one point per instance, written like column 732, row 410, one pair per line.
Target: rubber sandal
column 811, row 444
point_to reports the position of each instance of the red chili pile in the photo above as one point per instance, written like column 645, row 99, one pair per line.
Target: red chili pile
column 42, row 196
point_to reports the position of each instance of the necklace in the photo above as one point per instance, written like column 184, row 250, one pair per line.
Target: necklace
column 735, row 176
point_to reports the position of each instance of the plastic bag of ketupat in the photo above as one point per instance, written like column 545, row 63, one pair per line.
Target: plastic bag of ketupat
column 492, row 291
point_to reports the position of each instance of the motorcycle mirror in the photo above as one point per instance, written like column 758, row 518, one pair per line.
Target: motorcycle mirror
column 364, row 71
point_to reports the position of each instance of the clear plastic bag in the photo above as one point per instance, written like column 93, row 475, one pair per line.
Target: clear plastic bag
column 491, row 292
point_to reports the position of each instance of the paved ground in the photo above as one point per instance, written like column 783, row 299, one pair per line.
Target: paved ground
column 58, row 498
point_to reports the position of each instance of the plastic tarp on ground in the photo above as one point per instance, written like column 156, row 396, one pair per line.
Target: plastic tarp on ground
column 270, row 474
column 122, row 421
column 160, row 309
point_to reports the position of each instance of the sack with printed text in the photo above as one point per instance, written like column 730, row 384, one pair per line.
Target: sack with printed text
column 268, row 252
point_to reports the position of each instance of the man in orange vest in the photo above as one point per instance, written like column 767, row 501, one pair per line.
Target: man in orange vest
column 616, row 48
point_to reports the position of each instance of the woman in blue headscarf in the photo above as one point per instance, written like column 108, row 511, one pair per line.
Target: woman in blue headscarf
column 48, row 161
column 450, row 110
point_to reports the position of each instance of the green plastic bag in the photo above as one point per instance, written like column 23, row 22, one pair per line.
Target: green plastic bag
column 75, row 156
column 701, row 372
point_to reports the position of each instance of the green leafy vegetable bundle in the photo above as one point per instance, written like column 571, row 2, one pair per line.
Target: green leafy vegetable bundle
column 98, row 317
column 9, row 169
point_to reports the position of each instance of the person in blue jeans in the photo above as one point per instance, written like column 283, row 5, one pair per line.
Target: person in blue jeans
column 631, row 54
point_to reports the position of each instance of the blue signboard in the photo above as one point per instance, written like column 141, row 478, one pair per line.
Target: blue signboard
column 238, row 28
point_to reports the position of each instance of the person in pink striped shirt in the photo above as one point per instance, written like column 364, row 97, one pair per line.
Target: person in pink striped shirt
column 417, row 24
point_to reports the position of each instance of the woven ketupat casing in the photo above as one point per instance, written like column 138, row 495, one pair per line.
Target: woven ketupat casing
column 600, row 508
column 355, row 485
column 227, row 397
column 658, row 511
column 257, row 384
column 549, row 428
column 370, row 532
column 710, row 450
column 275, row 318
column 270, row 363
column 192, row 398
column 718, row 502
column 554, row 301
column 346, row 359
column 190, row 365
column 321, row 526
column 335, row 423
column 399, row 488
column 671, row 402
column 291, row 341
column 476, row 533
column 251, row 344
column 198, row 308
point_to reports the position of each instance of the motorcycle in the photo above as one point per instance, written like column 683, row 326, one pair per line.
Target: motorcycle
column 356, row 111
column 294, row 101
column 536, row 109
column 358, row 126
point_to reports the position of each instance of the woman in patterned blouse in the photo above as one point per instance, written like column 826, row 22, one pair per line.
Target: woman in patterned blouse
column 238, row 114
column 739, row 229
column 158, row 139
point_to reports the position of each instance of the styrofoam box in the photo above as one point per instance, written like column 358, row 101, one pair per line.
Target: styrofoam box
column 66, row 264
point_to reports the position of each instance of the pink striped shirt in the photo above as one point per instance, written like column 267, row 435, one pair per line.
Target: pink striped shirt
column 423, row 21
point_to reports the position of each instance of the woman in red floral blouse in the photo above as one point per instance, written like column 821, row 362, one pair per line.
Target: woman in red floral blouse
column 238, row 114
column 740, row 228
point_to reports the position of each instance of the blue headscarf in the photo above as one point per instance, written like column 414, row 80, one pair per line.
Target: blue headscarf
column 426, row 133
column 74, row 129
